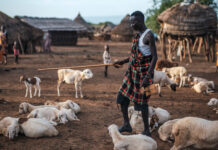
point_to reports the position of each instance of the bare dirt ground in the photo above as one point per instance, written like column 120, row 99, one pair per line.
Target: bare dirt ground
column 99, row 108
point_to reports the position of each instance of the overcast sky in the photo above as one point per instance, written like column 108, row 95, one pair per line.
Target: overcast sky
column 70, row 8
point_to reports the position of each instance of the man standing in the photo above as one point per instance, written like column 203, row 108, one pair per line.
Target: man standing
column 140, row 73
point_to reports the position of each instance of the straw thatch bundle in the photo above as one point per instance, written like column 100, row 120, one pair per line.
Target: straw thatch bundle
column 16, row 28
column 192, row 19
column 123, row 31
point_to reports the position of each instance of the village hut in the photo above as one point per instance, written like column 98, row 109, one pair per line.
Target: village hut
column 123, row 31
column 89, row 29
column 103, row 32
column 62, row 31
column 26, row 35
column 188, row 26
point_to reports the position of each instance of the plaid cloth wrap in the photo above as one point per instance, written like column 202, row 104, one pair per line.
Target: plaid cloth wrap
column 137, row 69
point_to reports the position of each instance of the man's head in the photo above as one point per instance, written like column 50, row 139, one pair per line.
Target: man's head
column 137, row 20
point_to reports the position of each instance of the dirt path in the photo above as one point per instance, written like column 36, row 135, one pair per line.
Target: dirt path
column 99, row 109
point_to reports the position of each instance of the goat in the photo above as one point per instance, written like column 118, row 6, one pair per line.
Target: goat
column 70, row 76
column 203, row 87
column 165, row 64
column 161, row 79
column 176, row 71
column 50, row 114
column 197, row 132
column 130, row 142
column 165, row 130
column 68, row 104
column 31, row 82
column 27, row 107
column 9, row 127
column 36, row 127
column 213, row 102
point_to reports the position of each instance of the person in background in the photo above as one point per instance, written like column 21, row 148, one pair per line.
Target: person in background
column 47, row 43
column 106, row 58
column 16, row 52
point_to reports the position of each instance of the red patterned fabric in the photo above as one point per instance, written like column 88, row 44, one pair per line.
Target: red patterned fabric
column 137, row 70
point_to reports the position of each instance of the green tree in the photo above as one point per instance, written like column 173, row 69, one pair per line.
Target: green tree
column 159, row 6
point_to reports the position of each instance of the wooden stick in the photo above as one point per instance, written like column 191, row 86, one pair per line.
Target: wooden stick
column 77, row 67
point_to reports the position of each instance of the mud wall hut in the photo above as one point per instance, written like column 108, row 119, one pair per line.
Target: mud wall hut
column 63, row 31
column 189, row 26
column 26, row 35
column 89, row 29
column 123, row 32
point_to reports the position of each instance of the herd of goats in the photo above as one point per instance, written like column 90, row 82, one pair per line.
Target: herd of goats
column 185, row 132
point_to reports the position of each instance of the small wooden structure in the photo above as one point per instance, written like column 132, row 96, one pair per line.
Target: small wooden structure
column 123, row 32
column 89, row 29
column 63, row 31
column 103, row 32
column 188, row 26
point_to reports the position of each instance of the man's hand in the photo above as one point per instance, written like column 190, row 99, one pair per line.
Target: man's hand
column 146, row 81
column 118, row 64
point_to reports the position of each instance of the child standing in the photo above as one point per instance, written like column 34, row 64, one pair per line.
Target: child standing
column 16, row 52
column 106, row 58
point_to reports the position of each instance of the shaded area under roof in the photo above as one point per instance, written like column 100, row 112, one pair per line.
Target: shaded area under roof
column 53, row 24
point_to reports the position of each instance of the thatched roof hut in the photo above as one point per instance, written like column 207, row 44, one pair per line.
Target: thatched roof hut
column 193, row 19
column 28, row 35
column 103, row 32
column 188, row 21
column 89, row 29
column 123, row 31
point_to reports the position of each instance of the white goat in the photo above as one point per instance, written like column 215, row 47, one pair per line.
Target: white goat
column 70, row 76
column 27, row 107
column 176, row 71
column 70, row 114
column 68, row 104
column 36, row 127
column 213, row 102
column 48, row 113
column 31, row 82
column 162, row 79
column 130, row 142
column 203, row 87
column 9, row 127
column 197, row 132
column 165, row 130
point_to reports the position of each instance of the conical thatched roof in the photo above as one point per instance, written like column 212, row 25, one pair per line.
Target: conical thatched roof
column 191, row 19
column 79, row 19
column 124, row 27
column 16, row 28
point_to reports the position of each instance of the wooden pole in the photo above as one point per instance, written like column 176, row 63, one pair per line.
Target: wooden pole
column 195, row 43
column 76, row 67
column 21, row 45
column 163, row 46
column 200, row 43
column 189, row 49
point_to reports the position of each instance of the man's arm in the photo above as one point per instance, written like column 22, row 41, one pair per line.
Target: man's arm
column 149, row 39
column 117, row 64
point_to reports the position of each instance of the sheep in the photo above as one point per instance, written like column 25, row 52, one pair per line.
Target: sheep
column 130, row 142
column 165, row 64
column 27, row 107
column 161, row 79
column 50, row 114
column 36, row 127
column 70, row 76
column 131, row 111
column 213, row 102
column 70, row 114
column 165, row 130
column 9, row 127
column 31, row 82
column 196, row 80
column 68, row 104
column 137, row 124
column 197, row 132
column 203, row 87
column 176, row 71
column 162, row 114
